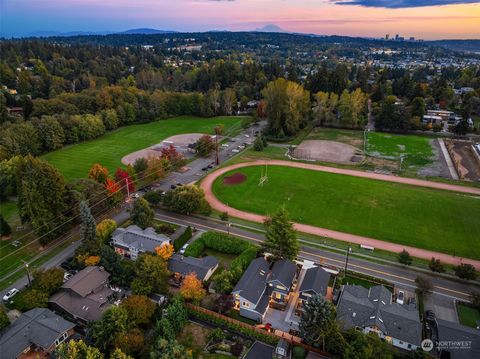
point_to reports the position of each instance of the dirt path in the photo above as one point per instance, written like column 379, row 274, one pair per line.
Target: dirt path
column 347, row 237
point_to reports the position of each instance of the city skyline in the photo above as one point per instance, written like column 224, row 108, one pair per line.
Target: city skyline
column 431, row 19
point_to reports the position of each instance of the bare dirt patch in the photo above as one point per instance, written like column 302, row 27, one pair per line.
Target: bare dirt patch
column 464, row 159
column 234, row 179
column 328, row 151
column 180, row 142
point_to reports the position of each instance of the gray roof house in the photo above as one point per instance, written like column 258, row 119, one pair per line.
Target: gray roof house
column 315, row 281
column 250, row 294
column 281, row 280
column 260, row 350
column 85, row 296
column 37, row 332
column 203, row 267
column 372, row 310
column 133, row 240
column 466, row 341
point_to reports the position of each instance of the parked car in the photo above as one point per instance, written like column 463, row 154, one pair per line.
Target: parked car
column 225, row 145
column 10, row 294
column 16, row 243
column 184, row 248
column 205, row 169
column 66, row 276
column 135, row 195
column 173, row 186
column 236, row 151
column 401, row 297
column 179, row 184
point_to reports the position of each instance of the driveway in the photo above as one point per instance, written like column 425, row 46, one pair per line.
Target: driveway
column 443, row 307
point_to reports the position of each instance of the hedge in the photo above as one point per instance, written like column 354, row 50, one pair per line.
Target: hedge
column 195, row 249
column 239, row 264
column 223, row 243
column 184, row 237
column 252, row 333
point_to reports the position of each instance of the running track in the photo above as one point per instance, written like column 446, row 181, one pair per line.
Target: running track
column 207, row 183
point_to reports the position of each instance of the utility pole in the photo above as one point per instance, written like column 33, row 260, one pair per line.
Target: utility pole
column 28, row 274
column 217, row 157
column 228, row 227
column 365, row 131
column 346, row 259
column 128, row 187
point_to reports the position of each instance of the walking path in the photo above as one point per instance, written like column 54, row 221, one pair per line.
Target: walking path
column 207, row 184
column 446, row 155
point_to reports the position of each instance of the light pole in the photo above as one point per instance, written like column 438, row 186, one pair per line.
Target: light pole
column 28, row 273
column 228, row 227
column 402, row 158
column 349, row 250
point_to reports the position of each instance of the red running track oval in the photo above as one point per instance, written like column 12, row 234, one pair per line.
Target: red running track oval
column 207, row 183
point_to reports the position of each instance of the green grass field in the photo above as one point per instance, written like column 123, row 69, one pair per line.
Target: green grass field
column 75, row 161
column 468, row 316
column 438, row 220
column 416, row 149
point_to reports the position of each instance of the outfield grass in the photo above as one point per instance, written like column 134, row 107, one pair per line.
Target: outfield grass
column 416, row 149
column 421, row 217
column 468, row 316
column 74, row 161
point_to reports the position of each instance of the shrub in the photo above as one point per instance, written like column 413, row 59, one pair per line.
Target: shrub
column 436, row 266
column 216, row 335
column 236, row 349
column 405, row 258
column 299, row 353
column 195, row 249
column 241, row 263
column 465, row 271
column 184, row 237
column 153, row 197
column 165, row 228
column 224, row 243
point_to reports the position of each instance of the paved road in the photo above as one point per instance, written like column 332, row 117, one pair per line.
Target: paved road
column 399, row 275
column 342, row 236
column 229, row 149
column 195, row 172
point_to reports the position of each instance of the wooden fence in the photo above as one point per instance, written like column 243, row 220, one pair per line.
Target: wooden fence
column 277, row 334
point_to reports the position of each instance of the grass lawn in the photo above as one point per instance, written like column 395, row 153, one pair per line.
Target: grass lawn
column 74, row 161
column 194, row 337
column 8, row 209
column 426, row 218
column 417, row 149
column 224, row 258
column 468, row 316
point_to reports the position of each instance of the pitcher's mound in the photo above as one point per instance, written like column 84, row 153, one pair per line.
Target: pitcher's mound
column 328, row 151
column 236, row 178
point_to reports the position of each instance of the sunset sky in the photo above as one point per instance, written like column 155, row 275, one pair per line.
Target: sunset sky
column 426, row 19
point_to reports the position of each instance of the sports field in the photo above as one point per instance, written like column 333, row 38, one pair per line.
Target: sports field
column 438, row 220
column 75, row 161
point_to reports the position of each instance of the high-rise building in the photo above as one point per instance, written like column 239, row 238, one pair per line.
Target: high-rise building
column 387, row 36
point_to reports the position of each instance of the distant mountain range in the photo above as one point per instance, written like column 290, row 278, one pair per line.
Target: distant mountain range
column 143, row 31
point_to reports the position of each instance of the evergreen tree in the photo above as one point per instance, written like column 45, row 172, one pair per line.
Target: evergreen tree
column 5, row 229
column 141, row 213
column 317, row 320
column 88, row 228
column 282, row 239
column 405, row 258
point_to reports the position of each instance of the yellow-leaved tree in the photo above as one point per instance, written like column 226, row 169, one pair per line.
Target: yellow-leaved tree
column 192, row 288
column 165, row 251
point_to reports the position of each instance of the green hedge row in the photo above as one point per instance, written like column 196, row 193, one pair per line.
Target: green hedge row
column 180, row 241
column 234, row 327
column 195, row 249
column 239, row 264
column 224, row 243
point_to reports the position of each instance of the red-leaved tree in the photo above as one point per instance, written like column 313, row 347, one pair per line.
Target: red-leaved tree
column 124, row 181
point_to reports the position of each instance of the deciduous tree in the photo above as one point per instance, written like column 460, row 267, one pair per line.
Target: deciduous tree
column 141, row 213
column 105, row 229
column 186, row 199
column 48, row 280
column 204, row 146
column 98, row 173
column 192, row 288
column 165, row 251
column 139, row 308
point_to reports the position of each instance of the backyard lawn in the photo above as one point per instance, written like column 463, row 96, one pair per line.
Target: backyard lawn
column 74, row 161
column 421, row 217
column 468, row 316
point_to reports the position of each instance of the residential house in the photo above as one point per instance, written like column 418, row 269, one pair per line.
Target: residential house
column 372, row 310
column 132, row 241
column 461, row 342
column 35, row 333
column 282, row 280
column 261, row 350
column 85, row 296
column 203, row 267
column 251, row 294
column 314, row 282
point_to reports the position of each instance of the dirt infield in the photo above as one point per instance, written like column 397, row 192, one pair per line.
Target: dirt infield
column 327, row 151
column 216, row 204
column 181, row 142
column 234, row 179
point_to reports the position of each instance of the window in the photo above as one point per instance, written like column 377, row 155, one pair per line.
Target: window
column 246, row 304
column 61, row 339
column 278, row 295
